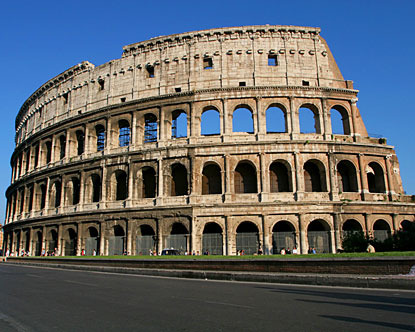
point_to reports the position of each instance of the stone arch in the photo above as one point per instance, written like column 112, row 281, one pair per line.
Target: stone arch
column 145, row 241
column 72, row 190
column 38, row 243
column 245, row 178
column 178, row 237
column 283, row 236
column 119, row 185
column 178, row 124
column 352, row 225
column 179, row 183
column 381, row 230
column 100, row 137
column 149, row 182
column 318, row 235
column 280, row 177
column 55, row 194
column 150, row 128
column 211, row 179
column 314, row 176
column 309, row 119
column 405, row 225
column 116, row 242
column 52, row 241
column 212, row 239
column 276, row 119
column 375, row 178
column 346, row 176
column 94, row 188
column 247, row 238
column 242, row 119
column 124, row 133
column 92, row 241
column 70, row 242
column 210, row 121
column 340, row 120
column 80, row 141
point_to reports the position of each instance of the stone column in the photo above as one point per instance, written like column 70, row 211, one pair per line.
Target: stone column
column 389, row 189
column 353, row 122
column 162, row 125
column 367, row 215
column 303, row 234
column 325, row 125
column 363, row 178
column 104, row 185
column 298, row 177
column 80, row 235
column 228, row 191
column 101, row 238
column 108, row 137
column 160, row 182
column 60, row 240
column 337, row 230
column 159, row 236
column 43, row 247
column 295, row 123
column 128, row 236
column 31, row 251
column 227, row 121
column 264, row 174
column 130, row 182
column 256, row 121
column 395, row 222
column 334, row 191
column 134, row 129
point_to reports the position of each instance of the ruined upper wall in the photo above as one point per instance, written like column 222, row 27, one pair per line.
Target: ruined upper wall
column 208, row 59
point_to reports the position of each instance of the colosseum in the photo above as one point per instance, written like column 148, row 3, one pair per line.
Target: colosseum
column 218, row 141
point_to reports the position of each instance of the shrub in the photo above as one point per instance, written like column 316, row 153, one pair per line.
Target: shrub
column 355, row 242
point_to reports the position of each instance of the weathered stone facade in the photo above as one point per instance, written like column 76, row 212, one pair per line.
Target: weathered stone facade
column 123, row 157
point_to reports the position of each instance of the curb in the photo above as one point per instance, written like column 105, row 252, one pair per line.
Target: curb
column 406, row 282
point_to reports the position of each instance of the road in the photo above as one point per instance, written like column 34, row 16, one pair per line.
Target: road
column 43, row 299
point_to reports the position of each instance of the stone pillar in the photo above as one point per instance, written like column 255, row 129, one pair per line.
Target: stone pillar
column 256, row 121
column 81, row 189
column 363, row 178
column 298, row 176
column 31, row 251
column 129, row 235
column 101, row 238
column 227, row 119
column 108, row 137
column 303, row 234
column 334, row 191
column 104, row 185
column 295, row 123
column 43, row 247
column 395, row 223
column 162, row 125
column 228, row 191
column 130, row 182
column 367, row 215
column 159, row 236
column 325, row 124
column 353, row 108
column 264, row 174
column 80, row 235
column 134, row 129
column 160, row 177
column 60, row 240
column 389, row 188
column 228, row 248
column 266, row 234
column 337, row 230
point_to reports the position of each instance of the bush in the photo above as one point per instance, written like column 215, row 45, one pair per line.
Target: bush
column 355, row 242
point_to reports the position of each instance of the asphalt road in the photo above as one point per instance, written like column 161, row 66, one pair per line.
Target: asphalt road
column 42, row 299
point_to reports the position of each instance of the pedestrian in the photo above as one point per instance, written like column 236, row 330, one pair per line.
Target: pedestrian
column 282, row 252
column 288, row 251
column 94, row 252
column 295, row 252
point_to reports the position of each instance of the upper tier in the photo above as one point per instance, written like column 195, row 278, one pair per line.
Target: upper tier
column 251, row 56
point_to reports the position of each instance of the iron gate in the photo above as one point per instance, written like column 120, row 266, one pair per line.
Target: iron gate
column 144, row 243
column 282, row 240
column 381, row 235
column 52, row 245
column 320, row 241
column 70, row 247
column 177, row 241
column 115, row 245
column 248, row 242
column 91, row 244
column 212, row 243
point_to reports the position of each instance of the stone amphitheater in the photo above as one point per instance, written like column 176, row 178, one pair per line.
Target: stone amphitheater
column 215, row 141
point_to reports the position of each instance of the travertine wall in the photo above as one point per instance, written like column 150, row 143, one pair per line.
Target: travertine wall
column 65, row 183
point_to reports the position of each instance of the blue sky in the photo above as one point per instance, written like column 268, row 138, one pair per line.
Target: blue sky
column 372, row 41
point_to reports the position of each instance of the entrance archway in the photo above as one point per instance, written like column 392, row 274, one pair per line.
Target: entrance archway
column 145, row 240
column 318, row 234
column 116, row 243
column 92, row 242
column 212, row 239
column 247, row 238
column 178, row 237
column 283, row 236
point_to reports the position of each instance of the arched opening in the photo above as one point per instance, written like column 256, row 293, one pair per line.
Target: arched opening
column 406, row 225
column 247, row 238
column 27, row 241
column 149, row 182
column 351, row 226
column 314, row 176
column 70, row 242
column 339, row 120
column 80, row 142
column 96, row 188
column 62, row 146
column 150, row 128
column 283, row 236
column 56, row 194
column 74, row 189
column 92, row 242
column 48, row 147
column 122, row 186
column 145, row 240
column 179, row 184
column 276, row 120
column 242, row 120
column 309, row 119
column 212, row 240
column 38, row 243
column 211, row 180
column 124, row 134
column 178, row 237
column 318, row 234
column 179, row 124
column 245, row 179
column 346, row 175
column 116, row 243
column 381, row 230
column 18, row 238
column 42, row 196
column 100, row 132
column 52, row 241
column 210, row 123
column 375, row 178
column 279, row 178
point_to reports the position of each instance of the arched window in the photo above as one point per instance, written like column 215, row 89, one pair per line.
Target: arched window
column 38, row 243
column 211, row 180
column 42, row 196
column 210, row 124
column 375, row 178
column 124, row 133
column 279, row 178
column 283, row 236
column 245, row 178
column 318, row 234
column 149, row 182
column 80, row 141
column 346, row 175
column 62, row 146
column 309, row 119
column 243, row 120
column 100, row 132
column 339, row 120
column 247, row 238
column 57, row 191
column 314, row 176
column 116, row 243
column 351, row 225
column 145, row 240
column 75, row 187
column 122, row 186
column 212, row 240
column 70, row 242
column 52, row 240
column 48, row 146
column 92, row 242
column 96, row 188
column 276, row 120
column 150, row 128
column 179, row 124
column 178, row 237
column 179, row 184
column 381, row 230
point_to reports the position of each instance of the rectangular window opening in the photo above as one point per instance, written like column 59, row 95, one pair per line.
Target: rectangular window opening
column 272, row 60
column 123, row 100
column 65, row 98
column 178, row 89
column 101, row 85
column 242, row 83
column 150, row 71
column 207, row 63
column 306, row 83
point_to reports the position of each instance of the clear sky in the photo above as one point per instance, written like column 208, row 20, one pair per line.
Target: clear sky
column 373, row 43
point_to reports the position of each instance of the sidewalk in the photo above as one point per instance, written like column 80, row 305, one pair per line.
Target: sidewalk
column 361, row 281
